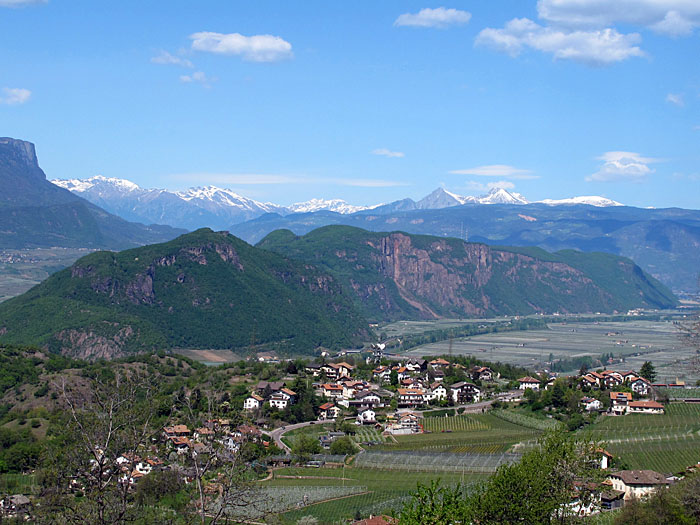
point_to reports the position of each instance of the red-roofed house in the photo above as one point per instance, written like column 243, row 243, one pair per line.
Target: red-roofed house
column 529, row 382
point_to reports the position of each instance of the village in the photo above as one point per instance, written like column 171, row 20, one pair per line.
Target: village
column 336, row 400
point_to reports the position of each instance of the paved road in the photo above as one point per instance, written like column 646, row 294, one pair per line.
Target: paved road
column 279, row 432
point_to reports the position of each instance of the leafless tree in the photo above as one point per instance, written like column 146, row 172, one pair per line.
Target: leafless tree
column 106, row 418
column 226, row 489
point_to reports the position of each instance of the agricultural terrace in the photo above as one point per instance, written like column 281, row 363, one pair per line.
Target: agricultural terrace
column 636, row 341
column 666, row 443
column 379, row 491
column 478, row 433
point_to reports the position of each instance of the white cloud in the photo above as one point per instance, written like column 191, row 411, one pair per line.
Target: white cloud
column 671, row 17
column 257, row 48
column 676, row 99
column 198, row 77
column 497, row 170
column 622, row 166
column 595, row 47
column 388, row 153
column 166, row 58
column 439, row 18
column 15, row 96
column 473, row 185
column 21, row 3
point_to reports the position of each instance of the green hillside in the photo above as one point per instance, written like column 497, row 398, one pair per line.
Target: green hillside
column 201, row 290
column 402, row 276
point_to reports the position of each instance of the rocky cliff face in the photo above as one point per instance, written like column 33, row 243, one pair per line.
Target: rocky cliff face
column 403, row 276
column 455, row 279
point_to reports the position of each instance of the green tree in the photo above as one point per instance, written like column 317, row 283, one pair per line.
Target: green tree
column 343, row 446
column 648, row 371
column 535, row 490
column 304, row 446
column 558, row 394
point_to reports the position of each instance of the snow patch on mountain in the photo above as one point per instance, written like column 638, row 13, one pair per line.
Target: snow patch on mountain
column 336, row 205
column 591, row 200
column 83, row 185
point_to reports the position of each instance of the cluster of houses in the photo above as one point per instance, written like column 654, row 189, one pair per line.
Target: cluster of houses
column 420, row 383
column 621, row 403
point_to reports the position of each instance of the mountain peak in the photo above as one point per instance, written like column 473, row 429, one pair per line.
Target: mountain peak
column 502, row 196
column 19, row 150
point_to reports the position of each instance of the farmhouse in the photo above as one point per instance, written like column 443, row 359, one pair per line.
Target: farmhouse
column 382, row 373
column 640, row 386
column 464, row 392
column 253, row 402
column 366, row 417
column 589, row 381
column 482, row 373
column 529, row 382
column 620, row 401
column 637, row 483
column 410, row 397
column 645, row 407
column 439, row 363
column 437, row 392
column 331, row 390
column 367, row 399
column 328, row 411
column 591, row 404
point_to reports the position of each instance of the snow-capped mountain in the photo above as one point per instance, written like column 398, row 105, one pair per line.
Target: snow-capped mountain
column 212, row 198
column 336, row 205
column 591, row 200
column 221, row 208
column 212, row 207
column 502, row 196
column 441, row 198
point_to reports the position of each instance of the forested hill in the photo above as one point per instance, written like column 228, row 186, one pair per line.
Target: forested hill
column 201, row 290
column 402, row 276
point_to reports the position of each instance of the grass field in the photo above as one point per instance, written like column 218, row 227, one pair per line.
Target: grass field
column 637, row 341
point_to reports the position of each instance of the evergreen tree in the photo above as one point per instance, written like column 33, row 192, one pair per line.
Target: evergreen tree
column 648, row 371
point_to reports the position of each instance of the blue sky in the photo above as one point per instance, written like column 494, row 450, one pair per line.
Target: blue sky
column 366, row 101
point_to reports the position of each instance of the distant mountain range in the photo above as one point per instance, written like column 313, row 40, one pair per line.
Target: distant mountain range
column 664, row 242
column 211, row 290
column 220, row 208
column 35, row 213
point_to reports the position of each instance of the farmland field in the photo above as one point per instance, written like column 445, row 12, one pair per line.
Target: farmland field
column 469, row 448
column 453, row 434
column 209, row 357
column 22, row 269
column 666, row 443
column 635, row 340
column 383, row 490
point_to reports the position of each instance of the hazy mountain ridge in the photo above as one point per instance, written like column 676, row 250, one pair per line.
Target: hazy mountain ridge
column 36, row 213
